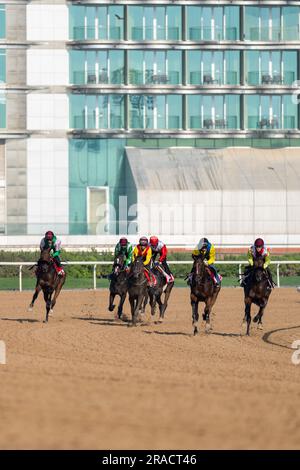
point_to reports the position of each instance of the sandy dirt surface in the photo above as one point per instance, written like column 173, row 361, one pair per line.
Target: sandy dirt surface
column 87, row 381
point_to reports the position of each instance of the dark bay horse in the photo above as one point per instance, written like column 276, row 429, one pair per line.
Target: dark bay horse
column 118, row 284
column 48, row 281
column 137, row 287
column 204, row 290
column 156, row 291
column 257, row 290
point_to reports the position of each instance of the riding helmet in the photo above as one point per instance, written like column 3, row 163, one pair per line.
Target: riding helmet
column 49, row 235
column 143, row 241
column 123, row 241
column 153, row 241
column 259, row 243
column 203, row 243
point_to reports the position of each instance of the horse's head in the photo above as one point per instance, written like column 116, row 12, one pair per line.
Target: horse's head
column 199, row 266
column 137, row 267
column 45, row 260
column 118, row 266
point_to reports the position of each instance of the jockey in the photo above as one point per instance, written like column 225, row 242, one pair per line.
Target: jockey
column 258, row 250
column 159, row 248
column 208, row 250
column 124, row 248
column 143, row 249
column 51, row 241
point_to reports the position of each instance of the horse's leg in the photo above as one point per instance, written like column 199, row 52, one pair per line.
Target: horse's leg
column 195, row 314
column 111, row 302
column 132, row 307
column 247, row 317
column 120, row 308
column 166, row 298
column 259, row 315
column 152, row 298
column 145, row 302
column 35, row 295
column 206, row 315
column 56, row 294
column 47, row 298
column 139, row 301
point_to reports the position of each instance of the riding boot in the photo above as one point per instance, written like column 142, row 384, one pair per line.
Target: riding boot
column 189, row 279
column 59, row 269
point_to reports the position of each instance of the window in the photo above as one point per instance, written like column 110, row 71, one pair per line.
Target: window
column 271, row 112
column 213, row 67
column 213, row 112
column 2, row 110
column 2, row 65
column 152, row 23
column 96, row 22
column 155, row 67
column 97, row 111
column 271, row 67
column 2, row 22
column 96, row 67
column 272, row 23
column 212, row 23
column 155, row 112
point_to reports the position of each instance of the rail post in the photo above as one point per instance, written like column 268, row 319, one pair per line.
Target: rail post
column 278, row 276
column 95, row 276
column 20, row 277
column 240, row 273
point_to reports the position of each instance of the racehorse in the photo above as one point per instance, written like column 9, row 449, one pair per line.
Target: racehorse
column 203, row 289
column 156, row 290
column 137, row 287
column 118, row 284
column 257, row 289
column 48, row 281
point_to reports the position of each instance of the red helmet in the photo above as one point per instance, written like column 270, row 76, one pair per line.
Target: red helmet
column 153, row 241
column 49, row 235
column 259, row 243
column 143, row 241
column 123, row 241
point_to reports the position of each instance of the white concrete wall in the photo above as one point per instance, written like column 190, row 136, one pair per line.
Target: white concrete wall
column 47, row 22
column 47, row 185
column 47, row 111
column 47, row 67
column 225, row 217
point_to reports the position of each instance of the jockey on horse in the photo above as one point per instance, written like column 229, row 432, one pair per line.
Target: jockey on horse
column 51, row 241
column 124, row 248
column 257, row 250
column 159, row 248
column 143, row 249
column 208, row 251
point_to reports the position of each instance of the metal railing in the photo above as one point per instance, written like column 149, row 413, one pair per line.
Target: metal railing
column 109, row 263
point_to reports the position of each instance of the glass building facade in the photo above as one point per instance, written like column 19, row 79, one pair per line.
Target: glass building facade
column 2, row 68
column 178, row 74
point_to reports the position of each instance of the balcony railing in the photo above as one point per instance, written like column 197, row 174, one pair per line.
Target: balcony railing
column 213, row 34
column 89, row 32
column 273, row 34
column 138, row 33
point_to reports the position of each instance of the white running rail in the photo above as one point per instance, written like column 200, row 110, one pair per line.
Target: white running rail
column 109, row 263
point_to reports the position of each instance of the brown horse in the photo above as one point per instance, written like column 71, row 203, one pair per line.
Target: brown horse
column 118, row 284
column 137, row 287
column 204, row 290
column 257, row 289
column 48, row 281
column 155, row 292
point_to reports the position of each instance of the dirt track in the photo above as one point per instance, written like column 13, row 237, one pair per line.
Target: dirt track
column 87, row 381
